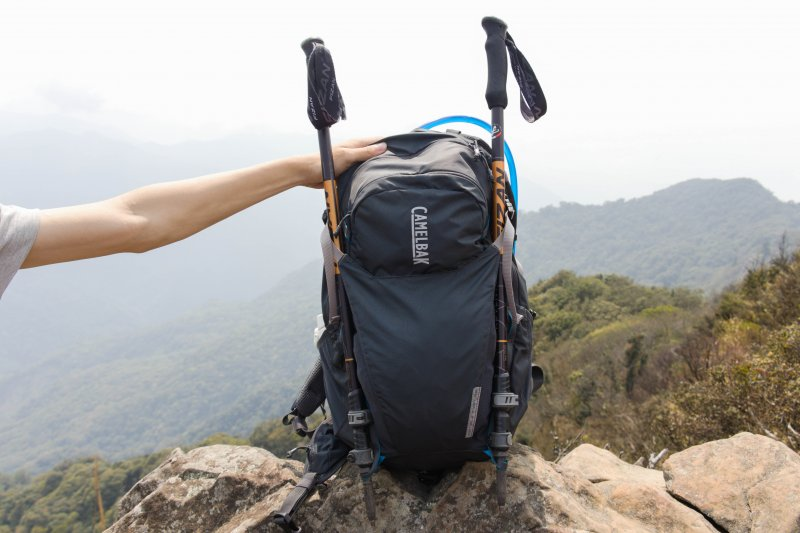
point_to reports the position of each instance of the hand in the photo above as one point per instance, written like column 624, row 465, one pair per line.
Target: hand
column 344, row 155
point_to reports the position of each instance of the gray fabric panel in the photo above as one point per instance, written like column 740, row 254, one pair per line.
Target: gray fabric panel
column 419, row 153
column 508, row 259
column 421, row 207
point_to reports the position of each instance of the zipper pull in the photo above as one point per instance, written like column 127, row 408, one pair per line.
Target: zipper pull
column 476, row 149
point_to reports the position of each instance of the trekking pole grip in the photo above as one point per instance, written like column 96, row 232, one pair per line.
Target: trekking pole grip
column 496, row 95
column 325, row 104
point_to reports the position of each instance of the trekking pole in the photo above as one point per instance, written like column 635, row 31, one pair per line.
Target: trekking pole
column 503, row 401
column 325, row 108
column 532, row 106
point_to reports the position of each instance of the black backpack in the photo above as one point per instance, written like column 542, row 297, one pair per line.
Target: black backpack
column 418, row 273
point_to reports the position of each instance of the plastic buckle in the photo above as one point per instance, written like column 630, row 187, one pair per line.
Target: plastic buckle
column 361, row 457
column 501, row 400
column 359, row 418
column 500, row 441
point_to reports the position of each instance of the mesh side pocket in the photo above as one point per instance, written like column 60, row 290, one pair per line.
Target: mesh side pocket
column 335, row 378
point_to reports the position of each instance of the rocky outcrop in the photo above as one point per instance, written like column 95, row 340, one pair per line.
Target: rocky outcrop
column 236, row 488
column 744, row 483
column 214, row 488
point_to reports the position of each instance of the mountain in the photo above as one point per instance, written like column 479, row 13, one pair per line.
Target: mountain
column 228, row 366
column 50, row 164
column 631, row 369
column 224, row 368
column 699, row 233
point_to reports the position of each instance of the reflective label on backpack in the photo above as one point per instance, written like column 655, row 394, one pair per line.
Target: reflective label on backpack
column 473, row 412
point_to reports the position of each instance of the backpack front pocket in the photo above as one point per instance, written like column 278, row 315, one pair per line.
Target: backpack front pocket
column 424, row 348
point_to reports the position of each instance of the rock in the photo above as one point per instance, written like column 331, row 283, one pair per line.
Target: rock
column 633, row 491
column 540, row 498
column 744, row 483
column 215, row 488
column 599, row 465
column 653, row 507
column 235, row 489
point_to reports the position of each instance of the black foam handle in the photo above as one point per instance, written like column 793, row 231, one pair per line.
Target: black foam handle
column 496, row 95
column 325, row 104
column 312, row 394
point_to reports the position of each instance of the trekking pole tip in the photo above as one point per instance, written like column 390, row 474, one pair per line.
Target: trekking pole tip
column 501, row 487
column 369, row 499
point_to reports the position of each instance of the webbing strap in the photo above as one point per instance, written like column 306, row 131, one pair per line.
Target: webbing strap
column 284, row 517
column 330, row 274
column 531, row 98
column 505, row 242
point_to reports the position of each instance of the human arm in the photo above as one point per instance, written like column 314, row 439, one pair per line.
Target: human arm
column 160, row 214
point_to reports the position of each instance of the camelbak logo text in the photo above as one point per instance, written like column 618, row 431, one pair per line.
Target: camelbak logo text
column 419, row 235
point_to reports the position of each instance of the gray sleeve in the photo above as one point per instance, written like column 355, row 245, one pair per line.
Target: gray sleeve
column 18, row 230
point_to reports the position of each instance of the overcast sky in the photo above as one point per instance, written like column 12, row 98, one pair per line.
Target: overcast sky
column 641, row 95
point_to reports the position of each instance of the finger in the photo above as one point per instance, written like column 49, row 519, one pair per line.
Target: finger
column 360, row 142
column 361, row 154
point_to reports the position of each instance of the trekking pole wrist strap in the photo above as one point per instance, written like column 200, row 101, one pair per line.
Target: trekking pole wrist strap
column 532, row 103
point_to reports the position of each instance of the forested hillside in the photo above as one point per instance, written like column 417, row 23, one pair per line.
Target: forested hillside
column 638, row 369
column 700, row 233
column 222, row 369
column 606, row 344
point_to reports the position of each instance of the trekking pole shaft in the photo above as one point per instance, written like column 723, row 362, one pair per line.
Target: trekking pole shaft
column 498, row 174
column 329, row 184
column 361, row 454
column 502, row 326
